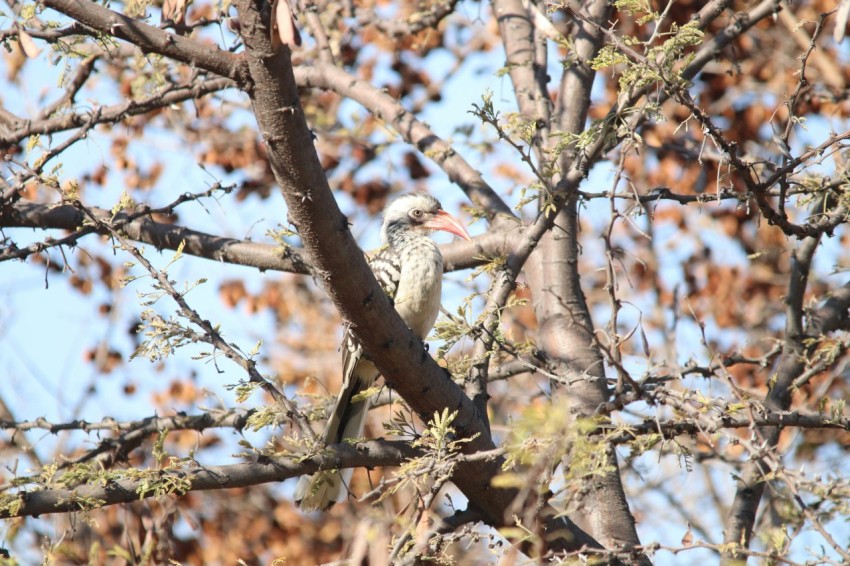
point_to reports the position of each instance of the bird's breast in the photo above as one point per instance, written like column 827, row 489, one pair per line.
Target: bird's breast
column 417, row 298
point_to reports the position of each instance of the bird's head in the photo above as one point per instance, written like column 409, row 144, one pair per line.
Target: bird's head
column 422, row 213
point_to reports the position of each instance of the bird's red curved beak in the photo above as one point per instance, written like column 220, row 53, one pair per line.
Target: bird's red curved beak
column 448, row 223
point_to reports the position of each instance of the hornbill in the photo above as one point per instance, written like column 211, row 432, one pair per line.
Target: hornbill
column 409, row 267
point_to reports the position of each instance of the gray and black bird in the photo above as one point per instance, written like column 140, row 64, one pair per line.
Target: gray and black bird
column 409, row 267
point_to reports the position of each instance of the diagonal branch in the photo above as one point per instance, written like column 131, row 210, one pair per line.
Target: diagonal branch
column 799, row 340
column 17, row 129
column 154, row 40
column 413, row 131
column 211, row 335
column 342, row 270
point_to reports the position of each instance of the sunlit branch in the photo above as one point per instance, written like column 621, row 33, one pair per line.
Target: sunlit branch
column 813, row 516
column 660, row 194
column 653, row 548
column 173, row 94
column 126, row 487
column 412, row 130
column 141, row 227
column 714, row 423
column 154, row 40
column 620, row 433
column 230, row 418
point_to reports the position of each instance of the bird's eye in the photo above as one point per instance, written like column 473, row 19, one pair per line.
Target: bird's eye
column 416, row 213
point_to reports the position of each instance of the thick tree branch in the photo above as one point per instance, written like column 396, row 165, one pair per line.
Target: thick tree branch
column 140, row 227
column 558, row 299
column 154, row 40
column 155, row 483
column 144, row 229
column 528, row 75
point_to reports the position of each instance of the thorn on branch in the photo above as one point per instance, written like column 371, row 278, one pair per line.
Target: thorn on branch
column 345, row 224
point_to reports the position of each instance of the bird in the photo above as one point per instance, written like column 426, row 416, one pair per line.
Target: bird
column 409, row 267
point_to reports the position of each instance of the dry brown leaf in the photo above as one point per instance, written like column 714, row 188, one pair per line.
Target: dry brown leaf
column 14, row 59
column 688, row 537
column 284, row 31
column 174, row 11
column 28, row 45
column 841, row 21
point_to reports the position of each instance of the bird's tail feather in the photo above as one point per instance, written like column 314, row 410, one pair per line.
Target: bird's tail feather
column 323, row 489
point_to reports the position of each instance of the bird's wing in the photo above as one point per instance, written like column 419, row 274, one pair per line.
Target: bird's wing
column 387, row 271
column 358, row 373
column 348, row 418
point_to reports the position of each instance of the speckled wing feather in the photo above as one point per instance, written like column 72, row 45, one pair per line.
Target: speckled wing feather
column 385, row 265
